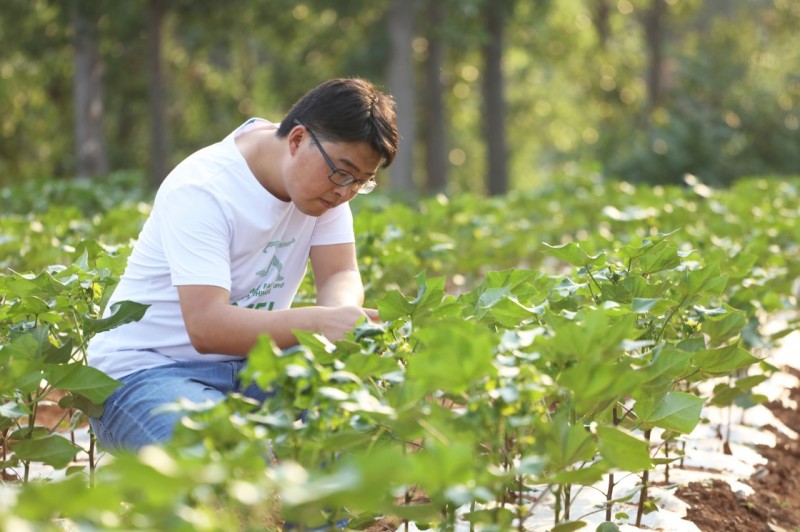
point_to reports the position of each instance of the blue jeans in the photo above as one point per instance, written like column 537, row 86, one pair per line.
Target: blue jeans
column 131, row 420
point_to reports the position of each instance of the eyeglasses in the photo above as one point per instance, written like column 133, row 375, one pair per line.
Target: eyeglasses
column 339, row 177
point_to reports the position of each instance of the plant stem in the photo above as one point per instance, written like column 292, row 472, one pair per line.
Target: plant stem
column 609, row 496
column 471, row 524
column 557, row 509
column 669, row 319
column 643, row 493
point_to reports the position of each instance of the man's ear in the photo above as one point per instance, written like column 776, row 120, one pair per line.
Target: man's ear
column 295, row 136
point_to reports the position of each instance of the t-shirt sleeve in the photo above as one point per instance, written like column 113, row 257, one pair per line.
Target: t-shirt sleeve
column 334, row 227
column 196, row 236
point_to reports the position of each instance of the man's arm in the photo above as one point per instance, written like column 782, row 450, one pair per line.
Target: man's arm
column 338, row 281
column 337, row 278
column 216, row 326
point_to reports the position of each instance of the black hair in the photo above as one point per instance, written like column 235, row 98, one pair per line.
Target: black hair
column 348, row 110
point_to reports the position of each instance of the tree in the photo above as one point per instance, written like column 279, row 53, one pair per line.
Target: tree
column 400, row 22
column 601, row 12
column 156, row 93
column 653, row 21
column 495, row 14
column 435, row 128
column 90, row 140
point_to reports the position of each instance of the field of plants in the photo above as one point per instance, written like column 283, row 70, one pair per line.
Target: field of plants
column 530, row 344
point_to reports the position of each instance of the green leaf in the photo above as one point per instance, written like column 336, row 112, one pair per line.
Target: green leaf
column 58, row 355
column 11, row 410
column 723, row 360
column 394, row 305
column 121, row 313
column 42, row 286
column 452, row 356
column 642, row 305
column 678, row 411
column 662, row 256
column 502, row 517
column 82, row 380
column 574, row 254
column 596, row 336
column 607, row 526
column 724, row 325
column 705, row 281
column 622, row 449
column 263, row 366
column 568, row 526
column 52, row 450
column 568, row 443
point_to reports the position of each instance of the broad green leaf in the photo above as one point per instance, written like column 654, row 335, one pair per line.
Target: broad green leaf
column 121, row 313
column 41, row 286
column 595, row 337
column 641, row 305
column 705, row 281
column 596, row 384
column 52, row 450
column 723, row 360
column 662, row 256
column 574, row 254
column 585, row 475
column 58, row 355
column 394, row 305
column 622, row 449
column 30, row 305
column 607, row 526
column 11, row 410
column 508, row 312
column 568, row 443
column 678, row 411
column 722, row 324
column 631, row 252
column 668, row 366
column 263, row 366
column 453, row 356
column 81, row 380
column 370, row 365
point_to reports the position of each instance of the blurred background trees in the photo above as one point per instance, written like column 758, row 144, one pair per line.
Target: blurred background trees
column 493, row 94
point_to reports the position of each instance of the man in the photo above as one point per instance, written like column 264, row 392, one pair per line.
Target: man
column 225, row 248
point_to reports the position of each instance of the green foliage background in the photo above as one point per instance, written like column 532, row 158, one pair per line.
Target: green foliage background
column 729, row 107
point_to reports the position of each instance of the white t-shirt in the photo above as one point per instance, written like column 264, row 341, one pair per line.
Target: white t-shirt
column 212, row 223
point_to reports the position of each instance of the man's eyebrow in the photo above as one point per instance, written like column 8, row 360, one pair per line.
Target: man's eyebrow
column 352, row 167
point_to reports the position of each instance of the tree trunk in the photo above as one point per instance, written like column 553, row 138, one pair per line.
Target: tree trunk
column 493, row 97
column 90, row 141
column 434, row 131
column 156, row 94
column 601, row 11
column 653, row 20
column 400, row 24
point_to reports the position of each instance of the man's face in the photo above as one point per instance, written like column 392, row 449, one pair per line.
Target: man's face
column 319, row 166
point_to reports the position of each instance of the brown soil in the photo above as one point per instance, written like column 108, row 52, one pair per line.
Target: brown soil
column 775, row 505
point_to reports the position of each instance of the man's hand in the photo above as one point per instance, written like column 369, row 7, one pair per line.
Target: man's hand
column 335, row 322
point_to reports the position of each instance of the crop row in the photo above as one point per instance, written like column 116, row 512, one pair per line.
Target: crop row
column 529, row 343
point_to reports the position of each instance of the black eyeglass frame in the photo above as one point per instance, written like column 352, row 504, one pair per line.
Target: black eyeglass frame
column 361, row 186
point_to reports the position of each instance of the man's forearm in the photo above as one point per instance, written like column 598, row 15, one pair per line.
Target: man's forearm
column 341, row 289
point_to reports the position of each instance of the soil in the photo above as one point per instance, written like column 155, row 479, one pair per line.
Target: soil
column 775, row 505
